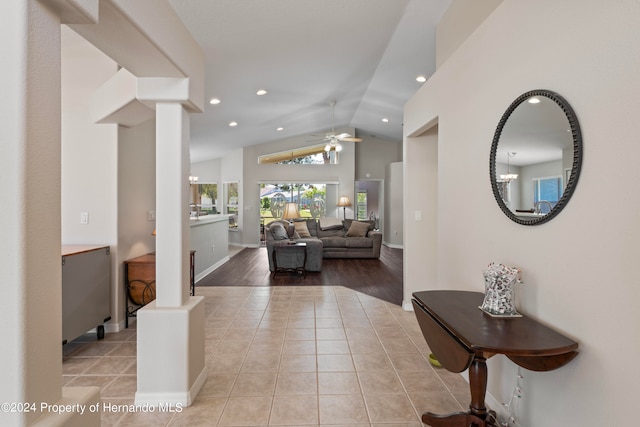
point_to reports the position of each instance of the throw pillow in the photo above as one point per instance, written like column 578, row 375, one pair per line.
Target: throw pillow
column 357, row 229
column 328, row 223
column 302, row 229
column 278, row 231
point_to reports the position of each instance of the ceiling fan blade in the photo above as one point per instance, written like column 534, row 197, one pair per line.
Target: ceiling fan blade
column 351, row 139
column 343, row 135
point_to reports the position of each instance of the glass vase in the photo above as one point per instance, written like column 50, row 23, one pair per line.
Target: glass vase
column 499, row 295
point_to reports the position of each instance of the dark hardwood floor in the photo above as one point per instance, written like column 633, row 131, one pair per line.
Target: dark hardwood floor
column 381, row 278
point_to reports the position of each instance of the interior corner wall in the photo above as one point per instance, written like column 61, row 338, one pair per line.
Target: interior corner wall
column 579, row 269
column 373, row 155
column 458, row 22
column 136, row 198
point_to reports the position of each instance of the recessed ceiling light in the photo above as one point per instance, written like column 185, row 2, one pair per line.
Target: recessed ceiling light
column 233, row 124
column 214, row 101
column 385, row 120
column 261, row 92
column 533, row 100
column 421, row 79
column 279, row 129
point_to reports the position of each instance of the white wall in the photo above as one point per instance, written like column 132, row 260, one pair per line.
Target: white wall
column 458, row 22
column 89, row 151
column 207, row 171
column 579, row 269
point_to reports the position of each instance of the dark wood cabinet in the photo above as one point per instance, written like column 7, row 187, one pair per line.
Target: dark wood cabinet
column 140, row 282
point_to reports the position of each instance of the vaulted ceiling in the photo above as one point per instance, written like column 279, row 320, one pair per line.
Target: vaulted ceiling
column 363, row 54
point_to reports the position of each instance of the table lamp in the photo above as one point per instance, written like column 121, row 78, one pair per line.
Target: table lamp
column 291, row 211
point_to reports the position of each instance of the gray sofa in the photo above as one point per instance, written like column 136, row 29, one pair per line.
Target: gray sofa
column 337, row 240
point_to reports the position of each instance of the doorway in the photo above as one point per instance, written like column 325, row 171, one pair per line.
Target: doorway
column 369, row 201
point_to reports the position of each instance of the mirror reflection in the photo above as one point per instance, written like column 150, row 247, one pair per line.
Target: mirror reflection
column 535, row 156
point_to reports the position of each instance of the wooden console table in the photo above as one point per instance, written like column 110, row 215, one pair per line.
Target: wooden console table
column 462, row 337
column 140, row 282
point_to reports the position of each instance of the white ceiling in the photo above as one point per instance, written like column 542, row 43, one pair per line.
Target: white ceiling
column 364, row 54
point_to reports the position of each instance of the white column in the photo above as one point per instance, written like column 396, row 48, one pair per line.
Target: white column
column 30, row 242
column 172, row 205
column 170, row 332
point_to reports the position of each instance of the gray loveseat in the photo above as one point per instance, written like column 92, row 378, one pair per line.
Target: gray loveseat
column 327, row 238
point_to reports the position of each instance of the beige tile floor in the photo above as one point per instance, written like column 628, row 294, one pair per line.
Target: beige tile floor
column 286, row 356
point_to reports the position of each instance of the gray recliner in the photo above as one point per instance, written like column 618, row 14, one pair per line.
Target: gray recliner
column 314, row 247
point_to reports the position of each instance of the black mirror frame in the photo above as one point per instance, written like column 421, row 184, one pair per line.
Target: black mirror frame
column 577, row 156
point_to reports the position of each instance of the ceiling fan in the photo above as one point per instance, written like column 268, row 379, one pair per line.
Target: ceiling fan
column 332, row 139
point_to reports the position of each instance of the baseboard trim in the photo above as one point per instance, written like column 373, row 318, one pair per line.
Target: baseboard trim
column 209, row 270
column 392, row 245
column 171, row 402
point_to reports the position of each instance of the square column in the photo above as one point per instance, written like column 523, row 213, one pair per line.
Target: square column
column 172, row 205
column 171, row 329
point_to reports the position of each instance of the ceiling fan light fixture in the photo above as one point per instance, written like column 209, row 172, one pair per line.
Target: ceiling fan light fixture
column 338, row 147
column 327, row 147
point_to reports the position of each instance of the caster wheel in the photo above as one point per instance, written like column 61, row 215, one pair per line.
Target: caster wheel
column 100, row 331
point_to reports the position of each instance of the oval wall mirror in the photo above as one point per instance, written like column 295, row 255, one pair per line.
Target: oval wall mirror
column 536, row 157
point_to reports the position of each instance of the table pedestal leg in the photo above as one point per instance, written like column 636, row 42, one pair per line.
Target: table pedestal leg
column 477, row 416
column 478, row 386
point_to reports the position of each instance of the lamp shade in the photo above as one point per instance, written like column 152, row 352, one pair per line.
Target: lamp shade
column 291, row 211
column 344, row 201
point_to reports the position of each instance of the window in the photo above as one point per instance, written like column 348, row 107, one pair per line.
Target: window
column 311, row 199
column 361, row 205
column 231, row 197
column 547, row 189
column 312, row 155
column 206, row 197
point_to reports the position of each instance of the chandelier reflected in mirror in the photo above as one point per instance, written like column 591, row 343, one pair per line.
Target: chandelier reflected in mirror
column 508, row 177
